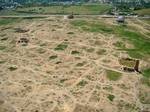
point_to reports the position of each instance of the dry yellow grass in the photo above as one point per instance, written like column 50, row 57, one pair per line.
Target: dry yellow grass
column 46, row 76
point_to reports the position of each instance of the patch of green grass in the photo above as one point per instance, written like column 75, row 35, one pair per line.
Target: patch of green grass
column 82, row 83
column 140, row 42
column 113, row 75
column 61, row 47
column 146, row 73
column 7, row 21
column 111, row 97
column 53, row 57
column 79, row 23
column 145, row 81
column 134, row 53
column 92, row 26
column 12, row 68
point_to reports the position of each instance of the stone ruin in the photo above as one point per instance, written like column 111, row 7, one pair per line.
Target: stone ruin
column 24, row 41
column 20, row 30
column 134, row 67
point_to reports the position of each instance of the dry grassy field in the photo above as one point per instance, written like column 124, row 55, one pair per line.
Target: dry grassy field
column 59, row 65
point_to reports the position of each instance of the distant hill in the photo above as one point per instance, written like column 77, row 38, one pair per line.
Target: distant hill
column 128, row 2
column 102, row 1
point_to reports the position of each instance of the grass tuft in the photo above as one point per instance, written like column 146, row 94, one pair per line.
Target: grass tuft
column 61, row 47
column 82, row 83
column 53, row 57
column 12, row 68
column 75, row 52
column 111, row 97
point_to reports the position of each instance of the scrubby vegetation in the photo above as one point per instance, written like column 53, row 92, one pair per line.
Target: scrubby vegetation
column 80, row 64
column 92, row 26
column 141, row 42
column 6, row 21
column 60, row 9
column 119, row 45
column 82, row 83
column 111, row 97
column 146, row 73
column 145, row 81
column 12, row 68
column 61, row 47
column 113, row 75
column 53, row 57
column 75, row 52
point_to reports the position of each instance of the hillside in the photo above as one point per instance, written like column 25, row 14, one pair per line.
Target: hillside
column 56, row 64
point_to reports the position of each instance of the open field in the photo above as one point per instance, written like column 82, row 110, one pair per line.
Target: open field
column 143, row 11
column 73, row 65
column 75, row 9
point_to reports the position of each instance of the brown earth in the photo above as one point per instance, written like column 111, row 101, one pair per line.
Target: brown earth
column 38, row 78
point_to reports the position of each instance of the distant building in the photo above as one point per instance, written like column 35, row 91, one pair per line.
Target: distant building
column 120, row 19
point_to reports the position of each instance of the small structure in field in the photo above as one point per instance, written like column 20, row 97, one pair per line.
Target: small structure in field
column 20, row 30
column 23, row 41
column 120, row 19
column 71, row 16
column 130, row 65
